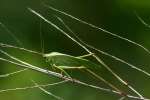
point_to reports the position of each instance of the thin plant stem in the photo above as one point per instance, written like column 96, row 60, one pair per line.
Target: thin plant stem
column 10, row 33
column 20, row 48
column 47, row 92
column 141, row 20
column 48, row 72
column 122, row 98
column 86, row 49
column 13, row 73
column 31, row 87
column 96, row 27
column 6, row 45
column 102, row 79
column 102, row 52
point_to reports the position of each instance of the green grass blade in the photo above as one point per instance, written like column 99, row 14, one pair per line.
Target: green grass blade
column 96, row 27
column 102, row 52
column 86, row 49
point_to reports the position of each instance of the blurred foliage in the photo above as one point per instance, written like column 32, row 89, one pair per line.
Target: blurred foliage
column 116, row 16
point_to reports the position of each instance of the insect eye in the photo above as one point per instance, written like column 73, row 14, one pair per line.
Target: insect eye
column 47, row 59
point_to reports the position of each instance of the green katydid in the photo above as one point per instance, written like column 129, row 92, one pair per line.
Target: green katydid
column 64, row 61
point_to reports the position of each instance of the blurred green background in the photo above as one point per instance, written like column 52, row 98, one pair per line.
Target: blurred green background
column 116, row 16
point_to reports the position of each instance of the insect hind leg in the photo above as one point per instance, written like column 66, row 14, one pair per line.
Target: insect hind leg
column 62, row 71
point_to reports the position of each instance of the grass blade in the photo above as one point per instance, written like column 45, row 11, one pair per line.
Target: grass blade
column 13, row 73
column 47, row 92
column 142, row 21
column 102, row 52
column 27, row 65
column 96, row 27
column 31, row 87
column 87, row 50
column 11, row 34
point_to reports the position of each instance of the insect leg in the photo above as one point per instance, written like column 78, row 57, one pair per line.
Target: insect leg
column 62, row 70
column 87, row 55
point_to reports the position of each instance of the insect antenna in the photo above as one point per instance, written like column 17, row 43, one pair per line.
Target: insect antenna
column 41, row 38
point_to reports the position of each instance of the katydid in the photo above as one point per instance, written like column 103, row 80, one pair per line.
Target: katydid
column 64, row 61
column 60, row 59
